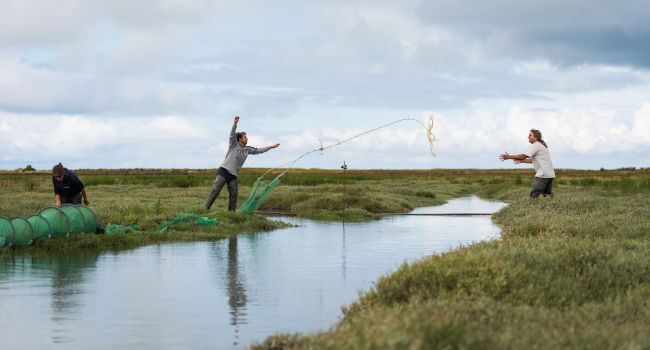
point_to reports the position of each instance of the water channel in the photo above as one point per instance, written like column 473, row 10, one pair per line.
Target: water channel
column 220, row 295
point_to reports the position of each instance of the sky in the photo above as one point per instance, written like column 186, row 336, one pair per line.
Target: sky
column 156, row 84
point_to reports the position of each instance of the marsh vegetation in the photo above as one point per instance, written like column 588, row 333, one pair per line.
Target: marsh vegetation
column 571, row 271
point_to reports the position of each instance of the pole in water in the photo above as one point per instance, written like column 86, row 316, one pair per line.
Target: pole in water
column 344, row 167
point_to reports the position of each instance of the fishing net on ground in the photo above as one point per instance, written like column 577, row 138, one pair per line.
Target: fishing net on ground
column 112, row 229
column 184, row 219
column 181, row 219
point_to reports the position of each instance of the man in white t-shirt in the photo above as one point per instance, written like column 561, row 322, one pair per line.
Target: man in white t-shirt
column 541, row 159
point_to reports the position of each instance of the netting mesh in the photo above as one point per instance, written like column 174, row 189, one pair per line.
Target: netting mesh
column 59, row 223
column 89, row 219
column 112, row 229
column 24, row 232
column 182, row 219
column 50, row 222
column 77, row 224
column 259, row 193
column 7, row 232
column 40, row 225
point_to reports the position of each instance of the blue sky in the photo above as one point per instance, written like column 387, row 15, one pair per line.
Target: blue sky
column 155, row 84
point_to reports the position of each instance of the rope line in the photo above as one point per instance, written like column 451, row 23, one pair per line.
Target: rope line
column 428, row 128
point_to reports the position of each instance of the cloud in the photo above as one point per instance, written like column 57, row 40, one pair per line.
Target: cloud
column 99, row 142
column 571, row 32
column 575, row 136
column 300, row 71
column 640, row 129
column 31, row 89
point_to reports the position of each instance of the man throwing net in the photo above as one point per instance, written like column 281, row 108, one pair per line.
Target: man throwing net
column 238, row 151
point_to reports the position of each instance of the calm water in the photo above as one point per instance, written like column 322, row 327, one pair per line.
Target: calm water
column 223, row 294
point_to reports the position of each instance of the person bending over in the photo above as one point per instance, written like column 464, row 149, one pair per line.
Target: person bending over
column 538, row 155
column 238, row 151
column 67, row 187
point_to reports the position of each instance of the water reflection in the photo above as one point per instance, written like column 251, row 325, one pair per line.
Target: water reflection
column 343, row 251
column 224, row 294
column 234, row 282
column 64, row 275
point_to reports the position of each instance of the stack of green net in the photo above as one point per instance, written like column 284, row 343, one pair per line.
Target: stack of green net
column 50, row 222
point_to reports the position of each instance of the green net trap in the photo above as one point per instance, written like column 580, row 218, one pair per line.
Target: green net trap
column 50, row 222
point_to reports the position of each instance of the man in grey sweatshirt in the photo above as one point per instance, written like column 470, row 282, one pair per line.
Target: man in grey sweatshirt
column 235, row 158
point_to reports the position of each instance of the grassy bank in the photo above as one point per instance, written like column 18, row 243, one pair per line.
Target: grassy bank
column 568, row 272
column 150, row 197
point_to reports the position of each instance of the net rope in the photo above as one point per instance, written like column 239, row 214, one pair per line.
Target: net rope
column 261, row 191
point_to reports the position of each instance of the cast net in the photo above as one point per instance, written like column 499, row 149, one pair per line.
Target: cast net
column 261, row 190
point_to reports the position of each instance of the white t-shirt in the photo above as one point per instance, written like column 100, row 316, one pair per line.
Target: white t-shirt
column 541, row 160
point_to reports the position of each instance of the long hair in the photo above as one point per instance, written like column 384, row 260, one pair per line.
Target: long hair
column 58, row 170
column 538, row 136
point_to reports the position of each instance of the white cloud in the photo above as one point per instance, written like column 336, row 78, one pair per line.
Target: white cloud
column 140, row 53
column 641, row 126
column 136, row 74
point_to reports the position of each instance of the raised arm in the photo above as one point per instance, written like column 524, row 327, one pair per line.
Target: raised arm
column 233, row 132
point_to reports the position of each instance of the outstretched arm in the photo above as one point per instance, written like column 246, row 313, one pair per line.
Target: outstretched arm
column 527, row 160
column 253, row 150
column 515, row 157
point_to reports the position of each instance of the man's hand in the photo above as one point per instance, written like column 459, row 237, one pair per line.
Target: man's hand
column 274, row 146
column 517, row 161
column 236, row 120
column 504, row 156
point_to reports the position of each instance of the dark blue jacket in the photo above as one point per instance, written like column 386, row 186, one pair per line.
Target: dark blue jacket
column 70, row 186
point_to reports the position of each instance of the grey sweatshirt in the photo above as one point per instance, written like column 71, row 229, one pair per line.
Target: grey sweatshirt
column 237, row 153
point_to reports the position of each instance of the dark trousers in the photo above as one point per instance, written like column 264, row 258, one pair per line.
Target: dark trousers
column 233, row 188
column 541, row 186
column 76, row 199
